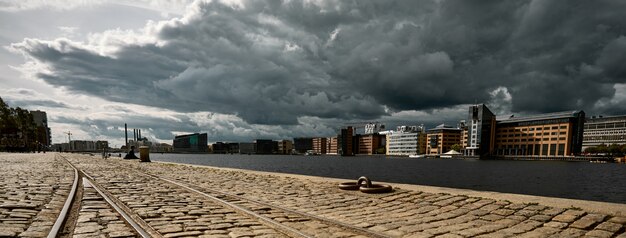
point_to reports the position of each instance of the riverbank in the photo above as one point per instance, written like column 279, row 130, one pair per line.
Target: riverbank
column 409, row 211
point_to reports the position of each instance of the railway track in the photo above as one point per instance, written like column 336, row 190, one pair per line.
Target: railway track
column 116, row 223
column 158, row 206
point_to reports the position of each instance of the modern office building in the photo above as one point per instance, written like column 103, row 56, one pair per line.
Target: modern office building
column 346, row 142
column 43, row 131
column 331, row 147
column 440, row 139
column 247, row 148
column 302, row 144
column 406, row 140
column 551, row 134
column 604, row 130
column 319, row 145
column 479, row 139
column 191, row 143
column 285, row 147
column 266, row 146
column 370, row 143
column 542, row 135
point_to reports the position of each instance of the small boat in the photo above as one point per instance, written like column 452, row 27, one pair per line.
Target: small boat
column 416, row 156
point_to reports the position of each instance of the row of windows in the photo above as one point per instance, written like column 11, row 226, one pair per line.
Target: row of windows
column 501, row 130
column 609, row 125
column 531, row 139
column 532, row 149
column 532, row 134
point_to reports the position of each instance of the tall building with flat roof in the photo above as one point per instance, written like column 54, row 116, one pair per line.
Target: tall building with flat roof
column 302, row 144
column 285, row 147
column 440, row 139
column 541, row 135
column 319, row 145
column 193, row 143
column 406, row 140
column 604, row 130
column 43, row 131
column 550, row 134
column 266, row 146
column 480, row 131
column 331, row 147
column 346, row 141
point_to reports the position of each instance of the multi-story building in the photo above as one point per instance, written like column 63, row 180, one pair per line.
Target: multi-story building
column 406, row 140
column 542, row 135
column 285, row 147
column 346, row 141
column 551, row 134
column 604, row 130
column 440, row 139
column 370, row 143
column 192, row 143
column 43, row 131
column 247, row 148
column 319, row 145
column 266, row 146
column 479, row 139
column 83, row 145
column 302, row 144
column 331, row 147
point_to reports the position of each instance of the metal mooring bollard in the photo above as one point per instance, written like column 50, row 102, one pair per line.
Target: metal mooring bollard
column 144, row 154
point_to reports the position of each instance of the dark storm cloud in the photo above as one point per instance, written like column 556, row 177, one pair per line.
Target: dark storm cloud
column 272, row 62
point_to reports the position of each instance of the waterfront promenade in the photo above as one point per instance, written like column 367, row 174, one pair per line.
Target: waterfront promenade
column 169, row 200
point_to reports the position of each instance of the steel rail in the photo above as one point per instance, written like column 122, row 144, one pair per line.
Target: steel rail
column 289, row 231
column 91, row 181
column 356, row 229
column 54, row 232
column 127, row 217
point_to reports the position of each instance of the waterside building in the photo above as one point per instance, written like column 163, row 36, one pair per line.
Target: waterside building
column 542, row 135
column 191, row 143
column 604, row 130
column 406, row 140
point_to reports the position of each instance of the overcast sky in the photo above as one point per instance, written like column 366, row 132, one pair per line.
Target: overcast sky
column 241, row 70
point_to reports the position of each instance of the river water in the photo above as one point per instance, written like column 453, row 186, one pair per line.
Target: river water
column 577, row 180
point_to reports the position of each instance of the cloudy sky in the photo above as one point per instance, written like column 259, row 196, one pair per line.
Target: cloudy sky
column 241, row 70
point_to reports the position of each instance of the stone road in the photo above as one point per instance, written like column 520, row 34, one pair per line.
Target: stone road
column 176, row 212
column 33, row 189
column 96, row 218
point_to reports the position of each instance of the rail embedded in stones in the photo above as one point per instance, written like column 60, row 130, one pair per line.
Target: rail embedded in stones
column 314, row 206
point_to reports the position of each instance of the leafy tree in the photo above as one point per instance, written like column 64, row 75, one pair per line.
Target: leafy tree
column 18, row 130
column 614, row 149
column 456, row 147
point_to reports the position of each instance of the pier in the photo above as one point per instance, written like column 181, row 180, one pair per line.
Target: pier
column 126, row 198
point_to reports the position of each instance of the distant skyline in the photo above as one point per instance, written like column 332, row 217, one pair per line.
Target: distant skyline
column 241, row 70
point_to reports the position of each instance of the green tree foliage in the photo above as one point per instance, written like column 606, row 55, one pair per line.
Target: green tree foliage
column 18, row 130
column 456, row 147
column 614, row 149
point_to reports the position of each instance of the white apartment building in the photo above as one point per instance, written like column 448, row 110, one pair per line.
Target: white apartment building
column 406, row 140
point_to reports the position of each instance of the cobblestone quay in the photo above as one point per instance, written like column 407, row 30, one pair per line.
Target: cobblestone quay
column 410, row 211
column 33, row 189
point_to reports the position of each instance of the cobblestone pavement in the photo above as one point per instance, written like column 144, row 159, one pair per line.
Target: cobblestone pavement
column 96, row 218
column 405, row 213
column 175, row 212
column 33, row 189
column 170, row 210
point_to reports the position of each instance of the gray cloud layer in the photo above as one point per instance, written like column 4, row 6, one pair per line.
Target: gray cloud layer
column 273, row 62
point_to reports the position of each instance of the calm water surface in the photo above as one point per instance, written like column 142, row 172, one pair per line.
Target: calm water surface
column 577, row 180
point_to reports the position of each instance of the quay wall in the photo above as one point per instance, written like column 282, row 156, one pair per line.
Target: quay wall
column 614, row 209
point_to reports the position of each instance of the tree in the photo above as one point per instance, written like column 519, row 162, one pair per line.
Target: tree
column 614, row 149
column 456, row 147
